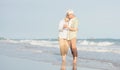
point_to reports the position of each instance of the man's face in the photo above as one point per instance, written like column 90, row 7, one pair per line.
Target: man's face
column 70, row 16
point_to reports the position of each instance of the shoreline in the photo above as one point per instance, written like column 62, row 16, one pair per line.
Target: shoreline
column 15, row 63
column 25, row 54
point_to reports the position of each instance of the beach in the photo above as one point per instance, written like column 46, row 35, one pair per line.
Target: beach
column 32, row 31
column 45, row 55
column 13, row 63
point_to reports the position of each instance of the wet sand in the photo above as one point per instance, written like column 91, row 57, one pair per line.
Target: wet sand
column 14, row 63
column 23, row 56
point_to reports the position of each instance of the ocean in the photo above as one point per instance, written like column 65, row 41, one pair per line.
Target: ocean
column 102, row 54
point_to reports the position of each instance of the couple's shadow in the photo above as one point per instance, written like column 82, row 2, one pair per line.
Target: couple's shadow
column 63, row 66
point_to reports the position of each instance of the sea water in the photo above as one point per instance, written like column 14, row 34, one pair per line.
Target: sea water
column 103, row 54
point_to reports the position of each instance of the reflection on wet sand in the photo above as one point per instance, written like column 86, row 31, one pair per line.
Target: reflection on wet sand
column 74, row 67
column 63, row 66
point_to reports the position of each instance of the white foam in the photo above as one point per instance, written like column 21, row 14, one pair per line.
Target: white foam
column 99, row 49
column 54, row 43
column 40, row 43
column 32, row 50
column 35, row 51
column 43, row 43
column 91, row 43
column 12, row 41
column 88, row 45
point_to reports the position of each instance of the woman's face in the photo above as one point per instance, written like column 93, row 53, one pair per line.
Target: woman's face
column 66, row 19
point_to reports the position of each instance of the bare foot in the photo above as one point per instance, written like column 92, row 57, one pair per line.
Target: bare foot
column 64, row 58
column 74, row 60
column 63, row 61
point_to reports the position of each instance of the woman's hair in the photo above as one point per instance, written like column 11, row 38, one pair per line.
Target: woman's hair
column 66, row 18
column 67, row 15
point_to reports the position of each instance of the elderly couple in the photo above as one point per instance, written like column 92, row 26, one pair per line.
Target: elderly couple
column 68, row 28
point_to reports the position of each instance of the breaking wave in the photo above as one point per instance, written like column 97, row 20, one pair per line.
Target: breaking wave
column 83, row 45
column 92, row 43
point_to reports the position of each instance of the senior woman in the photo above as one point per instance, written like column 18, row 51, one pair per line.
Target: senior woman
column 63, row 32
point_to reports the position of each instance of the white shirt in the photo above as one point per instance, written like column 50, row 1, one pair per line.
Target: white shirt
column 62, row 31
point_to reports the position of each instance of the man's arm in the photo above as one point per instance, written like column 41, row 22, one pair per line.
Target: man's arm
column 75, row 26
column 72, row 29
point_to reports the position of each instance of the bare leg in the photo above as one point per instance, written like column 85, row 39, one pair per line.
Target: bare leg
column 63, row 49
column 66, row 47
column 74, row 50
column 69, row 42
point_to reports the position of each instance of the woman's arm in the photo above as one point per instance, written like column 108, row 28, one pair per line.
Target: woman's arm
column 60, row 28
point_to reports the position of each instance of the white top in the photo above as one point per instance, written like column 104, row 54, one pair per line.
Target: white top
column 62, row 31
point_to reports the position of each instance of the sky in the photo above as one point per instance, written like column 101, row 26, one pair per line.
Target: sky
column 39, row 19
